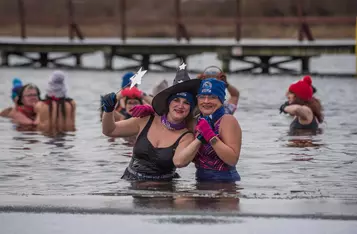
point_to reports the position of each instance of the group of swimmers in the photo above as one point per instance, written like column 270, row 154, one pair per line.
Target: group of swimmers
column 190, row 121
column 52, row 115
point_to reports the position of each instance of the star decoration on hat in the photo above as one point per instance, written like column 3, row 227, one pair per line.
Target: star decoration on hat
column 136, row 79
column 183, row 66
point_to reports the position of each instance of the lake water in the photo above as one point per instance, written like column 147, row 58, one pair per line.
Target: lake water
column 273, row 165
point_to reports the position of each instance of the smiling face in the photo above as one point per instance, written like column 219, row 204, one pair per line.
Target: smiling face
column 30, row 96
column 208, row 104
column 130, row 103
column 290, row 96
column 179, row 109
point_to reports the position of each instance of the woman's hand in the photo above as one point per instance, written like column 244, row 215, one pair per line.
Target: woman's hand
column 205, row 129
column 142, row 111
column 109, row 101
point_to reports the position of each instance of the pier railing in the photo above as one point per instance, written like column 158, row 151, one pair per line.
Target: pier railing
column 176, row 19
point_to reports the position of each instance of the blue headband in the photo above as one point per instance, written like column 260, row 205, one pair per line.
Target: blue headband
column 186, row 95
column 126, row 79
column 212, row 86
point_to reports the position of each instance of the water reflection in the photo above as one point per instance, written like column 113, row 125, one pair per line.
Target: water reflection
column 207, row 196
column 182, row 220
column 304, row 143
column 61, row 141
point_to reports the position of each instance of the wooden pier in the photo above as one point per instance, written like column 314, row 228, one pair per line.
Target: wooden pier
column 49, row 52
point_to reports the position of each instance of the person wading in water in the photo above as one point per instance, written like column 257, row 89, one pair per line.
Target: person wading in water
column 56, row 114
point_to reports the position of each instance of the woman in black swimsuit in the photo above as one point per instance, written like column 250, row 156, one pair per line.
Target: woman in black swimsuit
column 161, row 137
column 301, row 104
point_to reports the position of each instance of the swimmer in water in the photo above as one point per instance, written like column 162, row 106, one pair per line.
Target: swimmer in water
column 16, row 88
column 162, row 136
column 303, row 106
column 57, row 112
column 24, row 113
column 216, row 149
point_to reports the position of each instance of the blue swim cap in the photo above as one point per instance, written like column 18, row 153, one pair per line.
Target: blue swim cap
column 126, row 79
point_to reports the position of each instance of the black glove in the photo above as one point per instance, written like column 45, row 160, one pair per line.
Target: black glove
column 109, row 101
column 201, row 139
column 282, row 107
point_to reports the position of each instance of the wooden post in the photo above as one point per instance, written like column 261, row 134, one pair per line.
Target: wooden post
column 356, row 46
column 4, row 58
column 238, row 20
column 265, row 65
column 305, row 65
column 72, row 26
column 178, row 19
column 21, row 8
column 78, row 58
column 145, row 62
column 226, row 65
column 70, row 19
column 123, row 19
column 108, row 60
column 43, row 59
column 304, row 29
column 180, row 27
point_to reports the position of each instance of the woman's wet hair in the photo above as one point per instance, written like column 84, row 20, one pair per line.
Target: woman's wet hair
column 314, row 104
column 25, row 87
column 61, row 106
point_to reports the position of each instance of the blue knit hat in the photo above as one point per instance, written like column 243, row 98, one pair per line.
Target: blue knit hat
column 126, row 79
column 212, row 86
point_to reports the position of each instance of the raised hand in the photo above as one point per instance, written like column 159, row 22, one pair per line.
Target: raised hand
column 142, row 110
column 282, row 107
column 108, row 102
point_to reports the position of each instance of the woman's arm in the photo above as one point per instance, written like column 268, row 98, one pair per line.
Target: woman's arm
column 186, row 150
column 147, row 98
column 6, row 112
column 22, row 119
column 228, row 147
column 302, row 112
column 233, row 92
column 124, row 128
column 73, row 117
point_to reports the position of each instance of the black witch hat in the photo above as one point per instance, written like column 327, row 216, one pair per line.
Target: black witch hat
column 181, row 83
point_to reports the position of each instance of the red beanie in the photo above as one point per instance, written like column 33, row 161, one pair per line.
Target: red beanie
column 131, row 93
column 302, row 88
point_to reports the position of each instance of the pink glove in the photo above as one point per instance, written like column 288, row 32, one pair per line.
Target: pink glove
column 142, row 110
column 204, row 128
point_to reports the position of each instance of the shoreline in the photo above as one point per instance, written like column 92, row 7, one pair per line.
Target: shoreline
column 327, row 209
